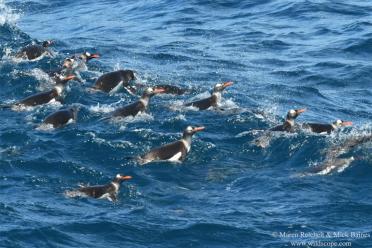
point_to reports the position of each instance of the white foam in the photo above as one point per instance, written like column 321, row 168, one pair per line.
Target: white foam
column 7, row 15
column 101, row 108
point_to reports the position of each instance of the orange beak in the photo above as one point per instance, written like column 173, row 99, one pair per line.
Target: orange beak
column 198, row 129
column 159, row 90
column 227, row 84
column 69, row 77
column 94, row 56
column 299, row 111
column 346, row 123
column 125, row 177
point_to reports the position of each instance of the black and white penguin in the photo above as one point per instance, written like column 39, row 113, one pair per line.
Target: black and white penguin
column 34, row 51
column 108, row 191
column 137, row 107
column 173, row 152
column 49, row 96
column 61, row 117
column 113, row 81
column 326, row 128
column 74, row 65
column 288, row 125
column 333, row 161
column 213, row 100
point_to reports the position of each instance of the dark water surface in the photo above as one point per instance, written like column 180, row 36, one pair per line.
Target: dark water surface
column 228, row 193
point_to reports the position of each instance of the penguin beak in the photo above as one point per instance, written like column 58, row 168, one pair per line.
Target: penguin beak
column 198, row 129
column 159, row 90
column 227, row 84
column 300, row 111
column 125, row 177
column 346, row 123
column 94, row 56
column 69, row 77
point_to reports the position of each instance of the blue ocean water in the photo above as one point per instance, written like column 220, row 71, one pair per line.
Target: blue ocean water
column 228, row 193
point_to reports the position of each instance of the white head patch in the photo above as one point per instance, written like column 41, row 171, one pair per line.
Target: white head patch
column 59, row 89
column 149, row 90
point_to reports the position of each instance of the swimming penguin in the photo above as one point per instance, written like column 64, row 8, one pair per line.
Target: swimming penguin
column 74, row 65
column 326, row 128
column 108, row 191
column 288, row 125
column 213, row 100
column 173, row 152
column 79, row 62
column 113, row 81
column 45, row 97
column 333, row 161
column 171, row 89
column 138, row 106
column 61, row 117
column 34, row 51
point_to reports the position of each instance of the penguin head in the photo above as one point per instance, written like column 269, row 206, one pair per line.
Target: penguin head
column 47, row 43
column 150, row 91
column 341, row 123
column 68, row 63
column 128, row 75
column 88, row 56
column 119, row 178
column 192, row 130
column 221, row 86
column 294, row 113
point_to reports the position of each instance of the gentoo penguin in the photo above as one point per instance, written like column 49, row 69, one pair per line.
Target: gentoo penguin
column 108, row 191
column 288, row 124
column 171, row 89
column 213, row 100
column 333, row 161
column 326, row 128
column 113, row 81
column 34, row 51
column 173, row 152
column 61, row 117
column 78, row 62
column 44, row 97
column 138, row 106
column 74, row 65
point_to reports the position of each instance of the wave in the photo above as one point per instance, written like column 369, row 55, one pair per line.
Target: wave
column 7, row 15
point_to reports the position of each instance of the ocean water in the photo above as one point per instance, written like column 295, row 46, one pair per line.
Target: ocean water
column 228, row 193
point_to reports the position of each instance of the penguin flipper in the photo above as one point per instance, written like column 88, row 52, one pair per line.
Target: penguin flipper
column 131, row 90
column 116, row 88
column 112, row 198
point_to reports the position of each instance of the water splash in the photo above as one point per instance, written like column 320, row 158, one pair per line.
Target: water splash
column 7, row 15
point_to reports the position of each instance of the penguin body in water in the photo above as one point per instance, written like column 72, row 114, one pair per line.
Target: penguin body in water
column 173, row 152
column 61, row 118
column 108, row 191
column 213, row 100
column 114, row 81
column 137, row 107
column 34, row 51
column 44, row 97
column 326, row 128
